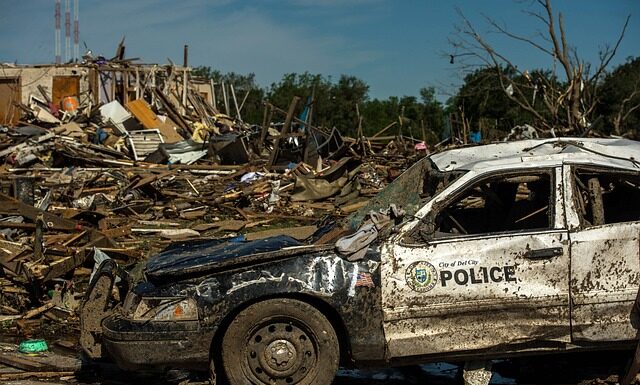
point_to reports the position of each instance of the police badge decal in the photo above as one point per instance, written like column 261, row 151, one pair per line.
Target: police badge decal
column 421, row 276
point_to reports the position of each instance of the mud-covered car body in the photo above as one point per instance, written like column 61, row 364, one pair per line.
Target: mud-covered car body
column 277, row 266
column 519, row 247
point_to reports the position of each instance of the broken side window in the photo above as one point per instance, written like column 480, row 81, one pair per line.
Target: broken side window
column 434, row 182
column 503, row 203
column 607, row 197
column 410, row 191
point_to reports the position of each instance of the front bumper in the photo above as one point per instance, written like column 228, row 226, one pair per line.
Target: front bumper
column 135, row 345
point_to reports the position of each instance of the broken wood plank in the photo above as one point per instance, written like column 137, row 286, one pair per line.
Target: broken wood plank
column 347, row 209
column 168, row 233
column 205, row 226
column 193, row 214
column 25, row 375
column 30, row 212
column 141, row 110
column 300, row 233
column 74, row 238
column 231, row 225
column 117, row 232
column 38, row 311
column 13, row 360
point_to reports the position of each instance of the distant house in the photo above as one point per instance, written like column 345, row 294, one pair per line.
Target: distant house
column 92, row 84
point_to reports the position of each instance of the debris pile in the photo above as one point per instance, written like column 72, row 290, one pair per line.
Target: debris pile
column 126, row 171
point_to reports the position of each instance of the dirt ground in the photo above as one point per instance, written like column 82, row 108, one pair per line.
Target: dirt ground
column 574, row 368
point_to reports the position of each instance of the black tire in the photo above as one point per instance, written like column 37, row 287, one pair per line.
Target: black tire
column 212, row 372
column 280, row 341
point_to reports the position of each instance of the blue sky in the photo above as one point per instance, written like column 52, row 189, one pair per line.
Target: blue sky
column 396, row 46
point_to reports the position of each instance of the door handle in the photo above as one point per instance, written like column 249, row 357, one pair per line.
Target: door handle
column 544, row 253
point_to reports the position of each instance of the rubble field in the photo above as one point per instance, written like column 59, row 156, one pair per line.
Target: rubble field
column 135, row 158
column 138, row 158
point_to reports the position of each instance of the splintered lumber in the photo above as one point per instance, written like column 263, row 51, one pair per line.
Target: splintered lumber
column 12, row 359
column 231, row 225
column 95, row 195
column 9, row 253
column 383, row 130
column 38, row 311
column 300, row 233
column 10, row 204
column 9, row 309
column 171, row 111
column 285, row 130
column 61, row 266
column 169, row 233
column 117, row 232
column 25, row 375
column 49, row 362
column 205, row 226
column 347, row 209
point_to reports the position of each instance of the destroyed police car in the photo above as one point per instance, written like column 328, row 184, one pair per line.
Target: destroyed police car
column 520, row 247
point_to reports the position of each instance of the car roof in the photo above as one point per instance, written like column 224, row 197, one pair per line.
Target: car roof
column 623, row 153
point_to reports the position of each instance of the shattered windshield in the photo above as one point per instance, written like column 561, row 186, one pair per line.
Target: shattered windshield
column 410, row 191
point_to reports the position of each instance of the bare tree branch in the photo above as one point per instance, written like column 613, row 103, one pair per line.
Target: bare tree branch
column 538, row 16
column 517, row 37
column 610, row 53
column 621, row 115
column 560, row 54
column 562, row 107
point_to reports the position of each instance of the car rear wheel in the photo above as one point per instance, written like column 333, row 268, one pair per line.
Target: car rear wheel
column 280, row 341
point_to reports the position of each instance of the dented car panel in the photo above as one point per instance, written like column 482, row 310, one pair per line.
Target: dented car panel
column 348, row 287
column 605, row 270
column 506, row 248
column 604, row 282
column 466, row 277
column 528, row 299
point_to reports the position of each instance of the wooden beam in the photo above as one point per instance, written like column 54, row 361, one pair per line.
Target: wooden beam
column 292, row 109
column 266, row 123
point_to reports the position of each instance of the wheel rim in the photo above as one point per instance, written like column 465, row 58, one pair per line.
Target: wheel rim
column 281, row 352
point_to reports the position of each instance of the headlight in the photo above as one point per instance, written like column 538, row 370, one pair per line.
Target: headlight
column 166, row 309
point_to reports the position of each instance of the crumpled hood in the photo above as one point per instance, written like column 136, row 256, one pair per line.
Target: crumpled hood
column 188, row 257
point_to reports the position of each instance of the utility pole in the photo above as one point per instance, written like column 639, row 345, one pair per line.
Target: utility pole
column 57, row 32
column 67, row 31
column 76, row 32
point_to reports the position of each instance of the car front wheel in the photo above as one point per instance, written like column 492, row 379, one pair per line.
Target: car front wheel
column 280, row 341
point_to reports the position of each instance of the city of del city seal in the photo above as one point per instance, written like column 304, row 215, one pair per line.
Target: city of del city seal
column 421, row 276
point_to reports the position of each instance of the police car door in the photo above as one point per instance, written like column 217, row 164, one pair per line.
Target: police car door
column 603, row 213
column 486, row 268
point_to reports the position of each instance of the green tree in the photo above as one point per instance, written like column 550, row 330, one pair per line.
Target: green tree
column 620, row 97
column 345, row 95
column 482, row 98
column 303, row 85
column 206, row 72
column 243, row 85
column 433, row 115
column 567, row 109
column 334, row 105
column 409, row 113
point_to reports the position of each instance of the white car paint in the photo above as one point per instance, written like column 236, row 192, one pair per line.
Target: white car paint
column 584, row 292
